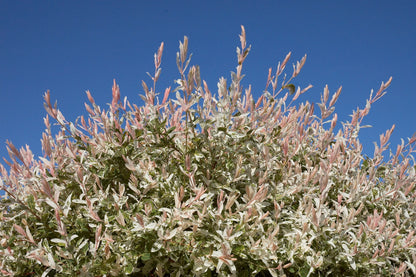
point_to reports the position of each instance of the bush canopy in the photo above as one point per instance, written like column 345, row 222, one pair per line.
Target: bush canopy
column 203, row 184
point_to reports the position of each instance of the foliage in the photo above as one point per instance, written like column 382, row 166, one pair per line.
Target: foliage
column 209, row 185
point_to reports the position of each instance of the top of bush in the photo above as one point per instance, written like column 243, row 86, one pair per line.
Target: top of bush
column 202, row 184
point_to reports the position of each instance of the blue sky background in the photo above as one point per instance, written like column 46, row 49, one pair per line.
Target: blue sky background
column 69, row 47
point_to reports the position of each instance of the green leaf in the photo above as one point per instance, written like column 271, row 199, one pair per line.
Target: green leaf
column 31, row 202
column 129, row 269
column 145, row 257
column 290, row 87
column 304, row 271
column 139, row 132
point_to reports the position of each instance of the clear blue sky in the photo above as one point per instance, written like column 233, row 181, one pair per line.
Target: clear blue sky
column 72, row 46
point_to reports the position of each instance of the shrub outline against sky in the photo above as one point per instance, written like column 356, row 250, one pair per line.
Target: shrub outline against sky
column 203, row 184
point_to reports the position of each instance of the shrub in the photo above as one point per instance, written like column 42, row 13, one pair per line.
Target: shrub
column 209, row 185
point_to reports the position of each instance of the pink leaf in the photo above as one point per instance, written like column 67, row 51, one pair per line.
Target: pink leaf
column 20, row 230
column 90, row 97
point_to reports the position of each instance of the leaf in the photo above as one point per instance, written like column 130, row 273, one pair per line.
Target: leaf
column 304, row 271
column 291, row 88
column 60, row 242
column 19, row 230
column 145, row 257
column 31, row 202
column 129, row 268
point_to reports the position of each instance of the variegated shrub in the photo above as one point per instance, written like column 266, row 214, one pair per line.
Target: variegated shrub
column 197, row 184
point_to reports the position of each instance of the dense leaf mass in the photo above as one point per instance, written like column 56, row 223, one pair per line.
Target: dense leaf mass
column 198, row 184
